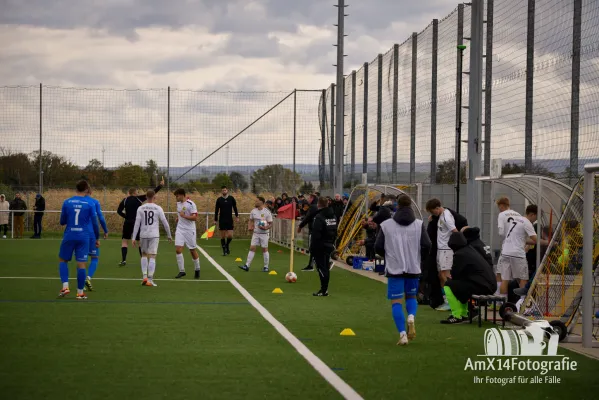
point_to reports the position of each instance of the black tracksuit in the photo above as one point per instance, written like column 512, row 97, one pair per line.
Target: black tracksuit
column 324, row 233
column 470, row 273
column 309, row 220
column 40, row 207
column 128, row 210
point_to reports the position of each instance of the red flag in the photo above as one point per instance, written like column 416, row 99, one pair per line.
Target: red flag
column 287, row 212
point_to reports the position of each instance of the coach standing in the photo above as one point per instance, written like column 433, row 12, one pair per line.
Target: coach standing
column 19, row 217
column 324, row 234
column 309, row 220
column 128, row 210
column 226, row 205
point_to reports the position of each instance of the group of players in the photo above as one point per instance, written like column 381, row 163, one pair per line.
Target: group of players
column 80, row 215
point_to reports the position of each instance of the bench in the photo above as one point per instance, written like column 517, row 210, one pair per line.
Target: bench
column 482, row 301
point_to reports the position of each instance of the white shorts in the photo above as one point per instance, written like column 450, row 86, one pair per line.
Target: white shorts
column 187, row 238
column 444, row 260
column 260, row 239
column 149, row 246
column 512, row 268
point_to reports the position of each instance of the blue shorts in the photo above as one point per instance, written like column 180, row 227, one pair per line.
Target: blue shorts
column 397, row 287
column 79, row 246
column 93, row 250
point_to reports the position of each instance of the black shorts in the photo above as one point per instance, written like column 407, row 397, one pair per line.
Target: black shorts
column 225, row 225
column 128, row 228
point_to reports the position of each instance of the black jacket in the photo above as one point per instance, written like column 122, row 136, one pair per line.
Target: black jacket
column 383, row 214
column 310, row 215
column 470, row 273
column 324, row 230
column 338, row 208
column 129, row 205
column 40, row 206
column 18, row 204
column 226, row 206
column 460, row 220
column 472, row 235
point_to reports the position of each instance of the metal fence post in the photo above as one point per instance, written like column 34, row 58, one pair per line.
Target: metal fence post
column 587, row 256
column 379, row 117
column 575, row 109
column 323, row 137
column 395, row 105
column 530, row 60
column 475, row 114
column 332, row 140
column 365, row 123
column 458, row 106
column 294, row 132
column 488, row 87
column 168, row 148
column 413, row 109
column 433, row 172
column 353, row 128
column 41, row 173
column 340, row 128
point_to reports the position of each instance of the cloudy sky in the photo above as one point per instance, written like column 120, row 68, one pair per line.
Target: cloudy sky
column 261, row 50
column 197, row 44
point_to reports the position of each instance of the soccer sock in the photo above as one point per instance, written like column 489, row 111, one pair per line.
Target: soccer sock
column 229, row 241
column 498, row 287
column 411, row 306
column 250, row 258
column 151, row 268
column 398, row 317
column 454, row 303
column 196, row 264
column 124, row 253
column 63, row 269
column 93, row 265
column 80, row 279
column 222, row 243
column 144, row 267
column 180, row 263
column 266, row 259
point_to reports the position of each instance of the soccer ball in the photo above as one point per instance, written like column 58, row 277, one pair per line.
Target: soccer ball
column 291, row 277
column 262, row 223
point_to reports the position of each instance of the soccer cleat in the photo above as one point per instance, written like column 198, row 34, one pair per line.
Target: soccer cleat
column 148, row 282
column 122, row 263
column 308, row 268
column 180, row 275
column 143, row 282
column 88, row 284
column 453, row 320
column 3, row 236
column 320, row 293
column 244, row 267
column 64, row 292
column 196, row 274
column 81, row 296
column 411, row 328
column 265, row 269
column 403, row 339
column 443, row 307
column 224, row 251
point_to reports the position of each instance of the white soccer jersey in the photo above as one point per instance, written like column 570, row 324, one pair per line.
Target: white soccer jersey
column 520, row 229
column 503, row 226
column 189, row 208
column 146, row 222
column 260, row 215
column 445, row 227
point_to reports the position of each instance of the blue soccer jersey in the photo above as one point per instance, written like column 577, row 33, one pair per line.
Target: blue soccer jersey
column 77, row 214
column 93, row 250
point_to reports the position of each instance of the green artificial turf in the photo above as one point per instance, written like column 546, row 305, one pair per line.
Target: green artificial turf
column 201, row 339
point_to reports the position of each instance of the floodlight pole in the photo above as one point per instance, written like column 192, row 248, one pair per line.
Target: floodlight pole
column 587, row 254
column 458, row 129
column 340, row 107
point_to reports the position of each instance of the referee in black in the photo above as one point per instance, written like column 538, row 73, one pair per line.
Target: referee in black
column 322, row 244
column 225, row 205
column 128, row 210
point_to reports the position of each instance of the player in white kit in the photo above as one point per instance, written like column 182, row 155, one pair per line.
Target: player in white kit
column 260, row 223
column 185, row 235
column 512, row 264
column 506, row 214
column 146, row 224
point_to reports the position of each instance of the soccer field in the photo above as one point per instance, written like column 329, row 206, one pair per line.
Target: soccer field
column 202, row 339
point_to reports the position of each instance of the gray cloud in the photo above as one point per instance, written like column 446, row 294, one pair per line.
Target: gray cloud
column 253, row 46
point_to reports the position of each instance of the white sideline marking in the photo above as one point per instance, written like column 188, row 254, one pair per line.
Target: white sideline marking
column 332, row 378
column 113, row 279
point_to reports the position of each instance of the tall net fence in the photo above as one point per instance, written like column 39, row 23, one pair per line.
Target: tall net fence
column 539, row 117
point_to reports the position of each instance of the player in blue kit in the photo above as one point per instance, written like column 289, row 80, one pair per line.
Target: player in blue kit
column 77, row 214
column 94, row 250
